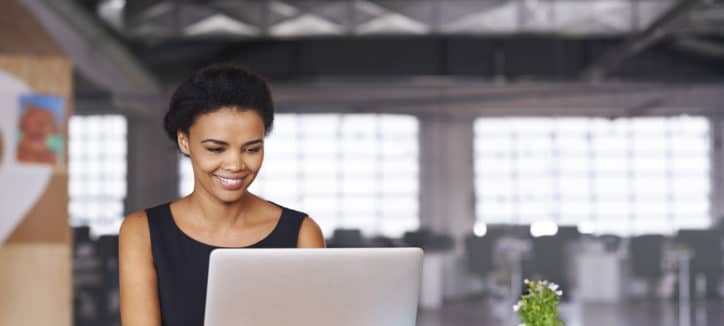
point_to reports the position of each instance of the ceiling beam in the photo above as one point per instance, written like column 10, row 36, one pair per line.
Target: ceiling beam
column 659, row 29
column 473, row 98
column 701, row 46
column 96, row 54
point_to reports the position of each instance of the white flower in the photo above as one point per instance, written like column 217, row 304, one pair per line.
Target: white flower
column 559, row 292
column 516, row 307
column 526, row 281
column 553, row 286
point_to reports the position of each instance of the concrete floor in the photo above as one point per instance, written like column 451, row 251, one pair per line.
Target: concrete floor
column 650, row 313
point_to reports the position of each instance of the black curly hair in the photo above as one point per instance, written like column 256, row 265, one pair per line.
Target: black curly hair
column 213, row 88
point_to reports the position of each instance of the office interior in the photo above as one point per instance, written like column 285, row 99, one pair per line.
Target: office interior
column 573, row 141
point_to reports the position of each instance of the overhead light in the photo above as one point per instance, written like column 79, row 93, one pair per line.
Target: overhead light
column 586, row 227
column 283, row 8
column 306, row 25
column 480, row 229
column 393, row 23
column 220, row 24
column 111, row 11
column 543, row 228
column 115, row 4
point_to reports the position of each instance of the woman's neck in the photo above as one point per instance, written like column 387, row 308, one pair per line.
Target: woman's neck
column 215, row 214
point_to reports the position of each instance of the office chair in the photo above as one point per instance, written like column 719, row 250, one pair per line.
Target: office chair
column 706, row 262
column 647, row 258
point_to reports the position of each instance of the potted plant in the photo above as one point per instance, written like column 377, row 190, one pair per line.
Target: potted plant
column 539, row 307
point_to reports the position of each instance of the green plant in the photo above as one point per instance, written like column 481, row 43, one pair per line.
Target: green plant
column 540, row 306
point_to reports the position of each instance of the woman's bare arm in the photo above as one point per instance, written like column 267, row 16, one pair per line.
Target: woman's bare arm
column 138, row 283
column 310, row 235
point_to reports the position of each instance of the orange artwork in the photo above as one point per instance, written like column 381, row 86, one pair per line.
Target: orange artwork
column 38, row 131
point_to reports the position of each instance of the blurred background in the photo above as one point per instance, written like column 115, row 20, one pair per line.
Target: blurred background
column 578, row 141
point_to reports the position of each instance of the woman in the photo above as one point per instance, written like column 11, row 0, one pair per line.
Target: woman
column 218, row 117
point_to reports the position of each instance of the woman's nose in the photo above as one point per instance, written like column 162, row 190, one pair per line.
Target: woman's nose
column 235, row 162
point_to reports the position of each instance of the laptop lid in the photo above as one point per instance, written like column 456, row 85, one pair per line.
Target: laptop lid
column 313, row 287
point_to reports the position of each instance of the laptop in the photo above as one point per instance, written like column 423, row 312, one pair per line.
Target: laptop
column 313, row 287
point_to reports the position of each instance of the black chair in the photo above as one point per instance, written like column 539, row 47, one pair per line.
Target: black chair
column 96, row 295
column 549, row 260
column 107, row 248
column 81, row 234
column 568, row 233
column 383, row 242
column 417, row 238
column 347, row 238
column 428, row 240
column 479, row 254
column 647, row 258
column 706, row 261
column 518, row 231
column 647, row 255
column 86, row 279
column 496, row 231
column 611, row 243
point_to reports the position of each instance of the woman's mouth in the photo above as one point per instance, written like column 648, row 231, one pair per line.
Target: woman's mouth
column 230, row 183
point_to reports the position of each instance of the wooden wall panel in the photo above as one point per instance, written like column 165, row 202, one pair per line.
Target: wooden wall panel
column 35, row 284
column 36, row 260
column 20, row 33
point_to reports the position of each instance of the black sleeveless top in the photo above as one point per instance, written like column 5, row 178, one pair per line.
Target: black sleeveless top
column 182, row 263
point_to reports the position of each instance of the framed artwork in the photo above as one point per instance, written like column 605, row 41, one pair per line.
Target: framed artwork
column 40, row 130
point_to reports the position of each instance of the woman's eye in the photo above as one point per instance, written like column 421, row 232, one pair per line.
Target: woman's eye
column 253, row 149
column 215, row 149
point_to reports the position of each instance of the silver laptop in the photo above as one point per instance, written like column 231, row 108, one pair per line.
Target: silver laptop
column 313, row 287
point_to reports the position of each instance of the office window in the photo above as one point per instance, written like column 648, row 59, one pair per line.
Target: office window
column 345, row 170
column 624, row 176
column 97, row 171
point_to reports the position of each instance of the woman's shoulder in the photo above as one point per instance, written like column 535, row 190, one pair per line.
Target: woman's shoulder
column 134, row 225
column 140, row 219
column 309, row 234
column 276, row 209
column 146, row 220
column 134, row 237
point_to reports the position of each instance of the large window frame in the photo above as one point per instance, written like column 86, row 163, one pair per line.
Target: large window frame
column 97, row 164
column 625, row 176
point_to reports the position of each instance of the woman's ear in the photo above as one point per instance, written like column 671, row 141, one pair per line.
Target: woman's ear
column 183, row 142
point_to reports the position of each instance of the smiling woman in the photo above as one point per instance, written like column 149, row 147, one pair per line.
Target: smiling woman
column 226, row 152
column 218, row 118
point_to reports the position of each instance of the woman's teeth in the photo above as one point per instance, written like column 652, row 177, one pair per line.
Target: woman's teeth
column 229, row 182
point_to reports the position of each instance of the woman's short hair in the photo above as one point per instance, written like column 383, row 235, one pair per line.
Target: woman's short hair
column 213, row 88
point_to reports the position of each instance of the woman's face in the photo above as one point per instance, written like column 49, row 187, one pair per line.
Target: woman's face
column 37, row 125
column 226, row 149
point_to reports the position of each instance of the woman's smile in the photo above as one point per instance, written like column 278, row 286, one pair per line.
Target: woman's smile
column 233, row 183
